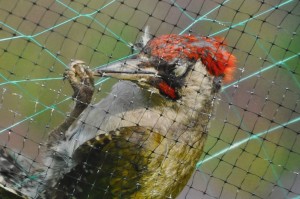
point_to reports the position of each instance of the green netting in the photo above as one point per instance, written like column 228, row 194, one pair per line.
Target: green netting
column 253, row 145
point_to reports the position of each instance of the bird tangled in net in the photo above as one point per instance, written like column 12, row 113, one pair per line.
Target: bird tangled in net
column 142, row 140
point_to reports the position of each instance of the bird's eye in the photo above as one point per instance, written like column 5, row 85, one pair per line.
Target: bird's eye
column 180, row 69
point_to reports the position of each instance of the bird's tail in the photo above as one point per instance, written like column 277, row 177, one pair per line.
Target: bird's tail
column 19, row 177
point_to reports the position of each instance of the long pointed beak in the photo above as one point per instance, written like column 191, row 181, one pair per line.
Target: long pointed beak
column 130, row 69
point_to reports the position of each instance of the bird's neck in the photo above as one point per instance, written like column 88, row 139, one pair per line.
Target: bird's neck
column 195, row 108
column 198, row 88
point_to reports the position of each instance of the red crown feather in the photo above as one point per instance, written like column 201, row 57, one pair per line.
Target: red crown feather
column 211, row 51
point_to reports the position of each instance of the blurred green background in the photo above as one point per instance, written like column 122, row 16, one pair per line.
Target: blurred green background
column 39, row 38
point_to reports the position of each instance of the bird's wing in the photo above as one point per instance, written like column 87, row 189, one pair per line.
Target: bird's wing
column 111, row 165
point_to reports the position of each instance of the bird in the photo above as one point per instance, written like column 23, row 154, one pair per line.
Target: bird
column 145, row 137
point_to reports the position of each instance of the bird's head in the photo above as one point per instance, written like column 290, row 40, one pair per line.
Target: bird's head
column 166, row 62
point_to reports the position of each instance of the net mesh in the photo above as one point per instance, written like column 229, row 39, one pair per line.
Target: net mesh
column 253, row 145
